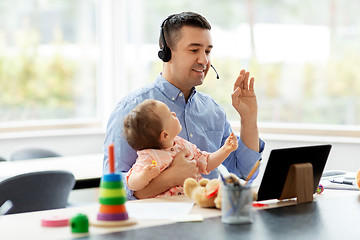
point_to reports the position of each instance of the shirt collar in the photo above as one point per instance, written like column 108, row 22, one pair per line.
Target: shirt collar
column 170, row 90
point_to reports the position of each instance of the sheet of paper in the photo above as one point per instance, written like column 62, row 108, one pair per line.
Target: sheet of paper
column 189, row 218
column 329, row 185
column 164, row 210
column 350, row 176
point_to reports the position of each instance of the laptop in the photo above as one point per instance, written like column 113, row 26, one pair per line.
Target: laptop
column 280, row 161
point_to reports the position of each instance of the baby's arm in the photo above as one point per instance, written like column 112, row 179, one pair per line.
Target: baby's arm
column 216, row 158
column 138, row 180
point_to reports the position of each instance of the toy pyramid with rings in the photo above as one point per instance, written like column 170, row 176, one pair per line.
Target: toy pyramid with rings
column 112, row 198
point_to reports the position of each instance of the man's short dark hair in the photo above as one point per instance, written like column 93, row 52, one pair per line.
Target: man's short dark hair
column 174, row 24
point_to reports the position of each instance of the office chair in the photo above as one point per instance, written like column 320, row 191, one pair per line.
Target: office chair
column 31, row 153
column 37, row 191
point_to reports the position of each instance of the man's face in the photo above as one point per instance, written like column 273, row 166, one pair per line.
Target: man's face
column 190, row 61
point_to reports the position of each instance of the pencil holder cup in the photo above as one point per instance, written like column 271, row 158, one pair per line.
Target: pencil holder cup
column 236, row 205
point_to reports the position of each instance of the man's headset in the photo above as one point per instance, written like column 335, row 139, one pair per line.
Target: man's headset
column 165, row 52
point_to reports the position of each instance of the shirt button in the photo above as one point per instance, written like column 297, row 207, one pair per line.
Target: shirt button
column 173, row 98
column 180, row 94
column 171, row 149
column 191, row 135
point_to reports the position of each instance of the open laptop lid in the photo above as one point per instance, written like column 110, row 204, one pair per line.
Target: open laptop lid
column 279, row 163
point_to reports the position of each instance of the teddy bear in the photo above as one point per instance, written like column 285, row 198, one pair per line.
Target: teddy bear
column 207, row 193
column 357, row 178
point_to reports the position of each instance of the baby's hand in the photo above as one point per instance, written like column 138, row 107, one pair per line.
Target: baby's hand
column 231, row 143
column 151, row 171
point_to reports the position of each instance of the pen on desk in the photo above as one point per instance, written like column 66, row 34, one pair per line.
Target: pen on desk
column 343, row 182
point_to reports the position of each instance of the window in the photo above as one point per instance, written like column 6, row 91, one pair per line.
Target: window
column 305, row 56
column 48, row 61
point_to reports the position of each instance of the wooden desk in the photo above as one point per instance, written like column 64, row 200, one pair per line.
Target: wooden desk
column 87, row 169
column 333, row 215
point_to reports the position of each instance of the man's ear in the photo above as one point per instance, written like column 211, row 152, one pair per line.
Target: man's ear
column 164, row 136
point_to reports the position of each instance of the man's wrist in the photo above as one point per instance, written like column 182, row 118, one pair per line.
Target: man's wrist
column 249, row 121
column 169, row 176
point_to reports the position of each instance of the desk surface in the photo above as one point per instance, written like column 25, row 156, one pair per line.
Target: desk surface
column 333, row 215
column 84, row 167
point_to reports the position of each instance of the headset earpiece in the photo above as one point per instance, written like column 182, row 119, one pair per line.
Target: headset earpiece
column 165, row 52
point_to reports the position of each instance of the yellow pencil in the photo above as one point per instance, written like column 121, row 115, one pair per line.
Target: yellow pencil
column 256, row 165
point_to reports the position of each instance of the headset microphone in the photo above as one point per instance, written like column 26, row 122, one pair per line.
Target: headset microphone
column 217, row 75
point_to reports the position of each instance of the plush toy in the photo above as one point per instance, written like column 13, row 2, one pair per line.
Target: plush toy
column 357, row 178
column 206, row 193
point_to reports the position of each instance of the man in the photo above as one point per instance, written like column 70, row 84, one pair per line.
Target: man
column 186, row 44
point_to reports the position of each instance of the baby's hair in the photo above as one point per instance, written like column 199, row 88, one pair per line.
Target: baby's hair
column 142, row 126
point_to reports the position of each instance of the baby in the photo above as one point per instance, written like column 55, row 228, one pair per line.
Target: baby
column 151, row 129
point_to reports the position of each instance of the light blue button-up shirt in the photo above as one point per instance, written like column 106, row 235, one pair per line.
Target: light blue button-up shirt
column 203, row 123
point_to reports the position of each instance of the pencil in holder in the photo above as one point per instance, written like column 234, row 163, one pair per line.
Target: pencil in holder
column 236, row 204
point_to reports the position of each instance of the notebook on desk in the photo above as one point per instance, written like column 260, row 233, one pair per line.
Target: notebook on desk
column 279, row 163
